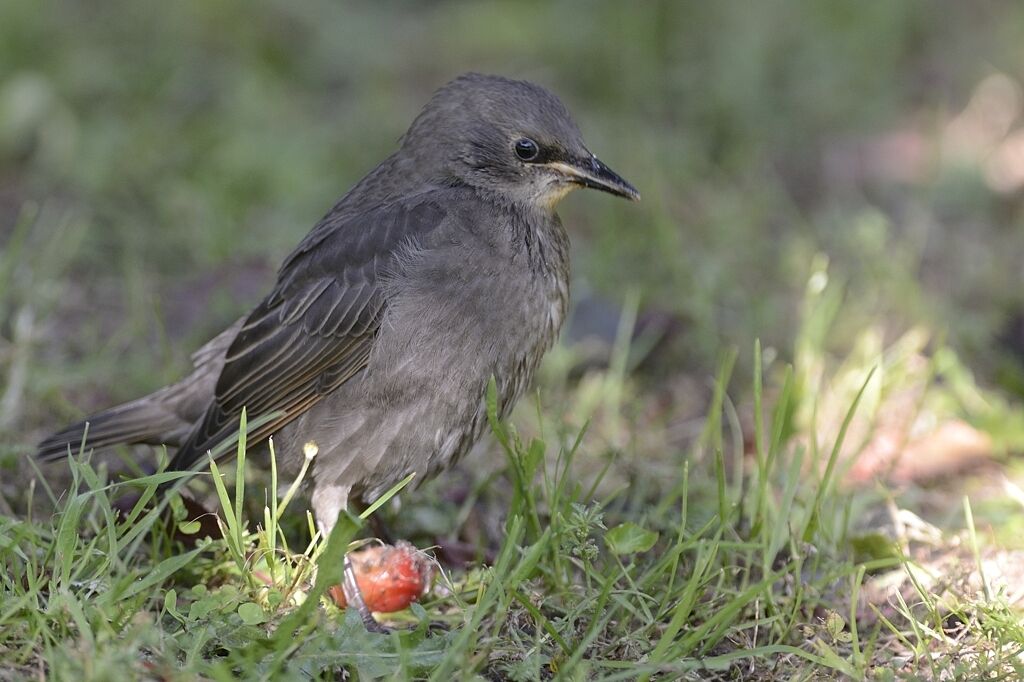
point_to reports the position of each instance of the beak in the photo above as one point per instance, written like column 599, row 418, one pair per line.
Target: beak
column 594, row 174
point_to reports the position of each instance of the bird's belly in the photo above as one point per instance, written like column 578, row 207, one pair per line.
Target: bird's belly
column 420, row 403
column 451, row 343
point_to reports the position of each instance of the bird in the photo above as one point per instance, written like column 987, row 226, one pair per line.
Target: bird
column 444, row 267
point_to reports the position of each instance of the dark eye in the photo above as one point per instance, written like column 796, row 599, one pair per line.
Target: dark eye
column 526, row 149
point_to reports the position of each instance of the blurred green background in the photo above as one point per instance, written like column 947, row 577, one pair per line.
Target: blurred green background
column 157, row 160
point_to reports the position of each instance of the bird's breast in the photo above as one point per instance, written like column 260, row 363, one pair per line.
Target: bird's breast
column 473, row 307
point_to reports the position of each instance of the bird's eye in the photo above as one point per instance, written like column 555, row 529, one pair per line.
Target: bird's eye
column 526, row 149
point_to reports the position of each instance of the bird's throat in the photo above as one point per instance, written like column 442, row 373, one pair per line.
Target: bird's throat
column 553, row 196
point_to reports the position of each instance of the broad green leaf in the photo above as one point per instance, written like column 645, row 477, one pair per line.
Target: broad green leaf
column 629, row 538
column 251, row 613
column 171, row 605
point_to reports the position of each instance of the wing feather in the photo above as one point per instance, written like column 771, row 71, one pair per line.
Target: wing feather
column 316, row 329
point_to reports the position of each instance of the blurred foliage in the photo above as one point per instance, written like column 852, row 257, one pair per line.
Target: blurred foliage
column 189, row 138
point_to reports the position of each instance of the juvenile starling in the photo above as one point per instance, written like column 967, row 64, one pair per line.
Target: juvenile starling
column 443, row 267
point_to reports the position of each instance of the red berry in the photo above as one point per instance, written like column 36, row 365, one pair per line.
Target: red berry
column 389, row 577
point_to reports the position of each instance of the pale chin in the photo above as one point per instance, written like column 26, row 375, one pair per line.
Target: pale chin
column 553, row 193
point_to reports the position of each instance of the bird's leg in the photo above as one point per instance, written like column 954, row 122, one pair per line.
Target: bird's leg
column 328, row 501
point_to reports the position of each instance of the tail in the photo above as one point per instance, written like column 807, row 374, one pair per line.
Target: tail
column 146, row 420
column 162, row 418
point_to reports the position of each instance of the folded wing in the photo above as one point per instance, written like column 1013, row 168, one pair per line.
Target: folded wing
column 316, row 328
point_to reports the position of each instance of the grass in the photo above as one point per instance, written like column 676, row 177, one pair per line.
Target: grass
column 740, row 565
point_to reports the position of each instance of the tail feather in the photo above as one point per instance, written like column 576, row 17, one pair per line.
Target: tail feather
column 162, row 418
column 141, row 421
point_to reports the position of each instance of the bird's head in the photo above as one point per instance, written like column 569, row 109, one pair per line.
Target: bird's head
column 509, row 137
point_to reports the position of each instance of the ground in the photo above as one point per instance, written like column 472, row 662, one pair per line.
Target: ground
column 780, row 438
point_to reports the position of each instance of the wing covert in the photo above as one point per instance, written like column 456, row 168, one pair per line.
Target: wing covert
column 315, row 330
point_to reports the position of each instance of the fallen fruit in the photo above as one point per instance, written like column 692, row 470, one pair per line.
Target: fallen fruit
column 389, row 577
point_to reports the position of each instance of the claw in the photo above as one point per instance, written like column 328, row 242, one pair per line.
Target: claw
column 355, row 597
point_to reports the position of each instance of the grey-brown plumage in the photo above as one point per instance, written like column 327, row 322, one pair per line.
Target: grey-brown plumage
column 444, row 266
